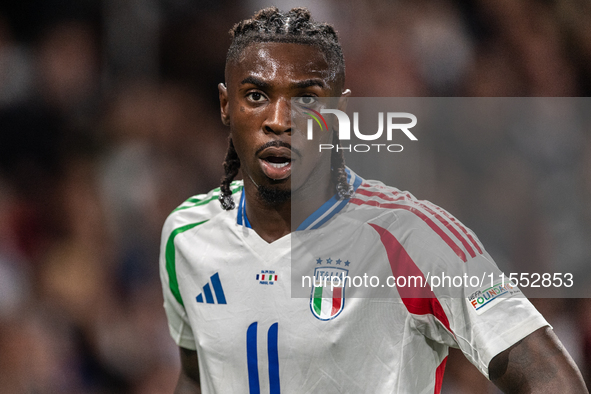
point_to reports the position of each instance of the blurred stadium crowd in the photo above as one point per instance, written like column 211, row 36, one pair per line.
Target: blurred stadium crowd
column 109, row 119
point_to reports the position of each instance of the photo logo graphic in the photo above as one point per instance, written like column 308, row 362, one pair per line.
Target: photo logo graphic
column 391, row 120
column 315, row 115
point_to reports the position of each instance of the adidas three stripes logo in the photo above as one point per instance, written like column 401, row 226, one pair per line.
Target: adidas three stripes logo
column 218, row 290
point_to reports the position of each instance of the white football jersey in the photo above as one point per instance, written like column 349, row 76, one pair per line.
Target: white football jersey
column 295, row 315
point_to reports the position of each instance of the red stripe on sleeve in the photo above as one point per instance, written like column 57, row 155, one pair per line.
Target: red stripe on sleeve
column 418, row 300
column 461, row 226
column 458, row 251
column 439, row 376
column 443, row 220
column 451, row 228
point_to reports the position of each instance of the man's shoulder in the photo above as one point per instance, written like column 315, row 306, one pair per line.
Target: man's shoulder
column 417, row 222
column 391, row 207
column 375, row 194
column 376, row 186
column 200, row 209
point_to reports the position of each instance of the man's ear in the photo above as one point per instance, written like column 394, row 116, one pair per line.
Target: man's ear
column 342, row 104
column 224, row 104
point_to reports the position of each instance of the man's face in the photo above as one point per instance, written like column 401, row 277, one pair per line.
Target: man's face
column 257, row 106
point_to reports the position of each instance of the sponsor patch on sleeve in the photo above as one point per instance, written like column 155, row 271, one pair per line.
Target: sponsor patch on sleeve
column 487, row 297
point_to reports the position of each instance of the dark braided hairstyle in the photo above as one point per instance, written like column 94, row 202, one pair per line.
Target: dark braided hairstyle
column 294, row 26
column 339, row 175
column 231, row 168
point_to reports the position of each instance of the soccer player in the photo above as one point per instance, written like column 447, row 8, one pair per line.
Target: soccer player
column 226, row 256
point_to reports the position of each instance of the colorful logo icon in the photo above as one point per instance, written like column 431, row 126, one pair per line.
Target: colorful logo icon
column 316, row 115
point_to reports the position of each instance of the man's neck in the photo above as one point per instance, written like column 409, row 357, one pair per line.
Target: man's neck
column 274, row 221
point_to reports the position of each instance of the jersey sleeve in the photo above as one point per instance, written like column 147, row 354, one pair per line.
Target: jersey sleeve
column 178, row 321
column 488, row 319
column 480, row 312
column 468, row 303
column 193, row 212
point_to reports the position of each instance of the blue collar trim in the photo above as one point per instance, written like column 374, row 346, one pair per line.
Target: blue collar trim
column 242, row 219
column 331, row 207
column 320, row 216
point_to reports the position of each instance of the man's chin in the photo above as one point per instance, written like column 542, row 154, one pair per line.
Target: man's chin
column 273, row 195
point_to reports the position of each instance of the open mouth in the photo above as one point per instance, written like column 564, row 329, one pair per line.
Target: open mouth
column 276, row 162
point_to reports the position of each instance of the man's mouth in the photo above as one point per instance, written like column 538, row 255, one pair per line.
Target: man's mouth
column 276, row 162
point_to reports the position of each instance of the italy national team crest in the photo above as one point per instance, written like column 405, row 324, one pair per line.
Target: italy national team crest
column 328, row 293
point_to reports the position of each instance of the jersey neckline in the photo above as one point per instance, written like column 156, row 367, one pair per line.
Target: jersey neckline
column 323, row 214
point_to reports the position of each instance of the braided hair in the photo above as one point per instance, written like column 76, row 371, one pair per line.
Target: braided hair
column 294, row 26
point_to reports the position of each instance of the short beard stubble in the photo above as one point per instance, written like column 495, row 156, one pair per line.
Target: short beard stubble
column 273, row 196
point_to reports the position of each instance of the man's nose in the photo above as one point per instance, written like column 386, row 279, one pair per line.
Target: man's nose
column 279, row 117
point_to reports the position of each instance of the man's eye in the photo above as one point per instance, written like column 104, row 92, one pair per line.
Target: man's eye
column 307, row 100
column 256, row 96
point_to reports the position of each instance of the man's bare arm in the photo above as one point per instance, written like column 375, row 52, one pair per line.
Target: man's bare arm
column 536, row 364
column 189, row 378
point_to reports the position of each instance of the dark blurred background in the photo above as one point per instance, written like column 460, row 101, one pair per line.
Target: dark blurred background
column 109, row 119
